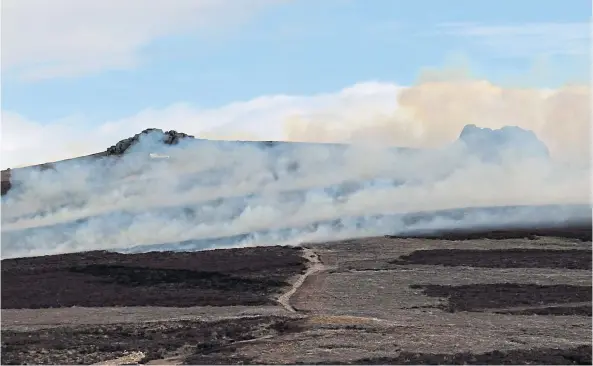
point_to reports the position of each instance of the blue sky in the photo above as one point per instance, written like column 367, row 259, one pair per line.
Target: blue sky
column 66, row 61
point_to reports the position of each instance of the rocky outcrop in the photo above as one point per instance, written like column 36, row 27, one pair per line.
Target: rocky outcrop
column 6, row 185
column 168, row 138
column 491, row 145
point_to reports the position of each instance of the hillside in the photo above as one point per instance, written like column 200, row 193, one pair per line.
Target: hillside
column 460, row 299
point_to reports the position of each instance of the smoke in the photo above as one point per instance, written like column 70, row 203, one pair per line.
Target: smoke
column 429, row 114
column 432, row 112
column 216, row 194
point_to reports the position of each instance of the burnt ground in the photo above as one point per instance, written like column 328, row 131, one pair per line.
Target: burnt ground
column 501, row 258
column 483, row 299
column 91, row 344
column 97, row 279
column 476, row 297
column 578, row 230
column 217, row 343
column 575, row 356
column 584, row 310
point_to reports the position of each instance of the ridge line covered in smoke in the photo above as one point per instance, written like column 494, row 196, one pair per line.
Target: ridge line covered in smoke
column 216, row 193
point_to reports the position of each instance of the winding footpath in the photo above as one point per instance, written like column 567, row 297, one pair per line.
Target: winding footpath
column 315, row 266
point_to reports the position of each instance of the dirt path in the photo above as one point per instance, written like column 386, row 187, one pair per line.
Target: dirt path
column 315, row 266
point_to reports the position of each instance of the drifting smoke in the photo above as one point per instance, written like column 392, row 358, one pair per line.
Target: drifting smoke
column 202, row 194
column 431, row 114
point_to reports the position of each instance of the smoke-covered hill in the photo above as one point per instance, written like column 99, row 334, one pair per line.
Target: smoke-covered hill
column 221, row 193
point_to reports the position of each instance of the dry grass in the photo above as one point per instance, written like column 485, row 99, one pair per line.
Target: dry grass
column 341, row 320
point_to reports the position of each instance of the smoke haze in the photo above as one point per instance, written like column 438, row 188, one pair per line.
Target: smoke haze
column 207, row 194
column 214, row 194
column 431, row 114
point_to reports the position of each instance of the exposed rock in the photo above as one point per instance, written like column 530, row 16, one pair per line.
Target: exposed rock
column 6, row 184
column 168, row 138
column 491, row 144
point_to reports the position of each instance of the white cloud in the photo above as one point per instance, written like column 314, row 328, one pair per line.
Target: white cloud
column 428, row 114
column 529, row 39
column 43, row 39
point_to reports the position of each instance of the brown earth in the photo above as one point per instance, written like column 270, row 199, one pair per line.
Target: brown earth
column 485, row 299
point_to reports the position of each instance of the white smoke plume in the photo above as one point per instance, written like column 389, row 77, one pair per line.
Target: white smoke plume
column 214, row 194
column 431, row 114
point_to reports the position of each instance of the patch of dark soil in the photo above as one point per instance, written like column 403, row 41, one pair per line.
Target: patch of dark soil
column 580, row 355
column 500, row 258
column 584, row 310
column 246, row 276
column 476, row 297
column 90, row 344
column 579, row 231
